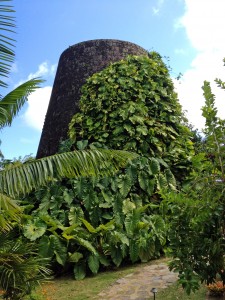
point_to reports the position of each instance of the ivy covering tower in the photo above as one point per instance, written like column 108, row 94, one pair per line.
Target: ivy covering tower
column 132, row 105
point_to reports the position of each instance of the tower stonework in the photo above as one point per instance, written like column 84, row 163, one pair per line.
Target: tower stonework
column 76, row 64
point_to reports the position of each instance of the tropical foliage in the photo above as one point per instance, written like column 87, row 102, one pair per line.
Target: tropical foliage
column 196, row 214
column 21, row 267
column 92, row 224
column 98, row 223
column 131, row 105
column 165, row 199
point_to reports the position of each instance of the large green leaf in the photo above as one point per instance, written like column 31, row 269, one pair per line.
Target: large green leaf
column 75, row 215
column 79, row 271
column 146, row 254
column 75, row 257
column 133, row 250
column 93, row 263
column 89, row 227
column 33, row 229
column 147, row 184
column 68, row 196
column 60, row 250
column 86, row 244
column 154, row 165
column 45, row 247
column 116, row 255
column 170, row 179
column 161, row 182
column 125, row 185
column 128, row 206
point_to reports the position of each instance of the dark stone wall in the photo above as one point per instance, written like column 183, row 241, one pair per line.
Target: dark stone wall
column 76, row 64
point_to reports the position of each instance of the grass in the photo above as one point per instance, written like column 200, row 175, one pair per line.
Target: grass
column 175, row 292
column 68, row 288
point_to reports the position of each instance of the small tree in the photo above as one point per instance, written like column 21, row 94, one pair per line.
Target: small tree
column 196, row 214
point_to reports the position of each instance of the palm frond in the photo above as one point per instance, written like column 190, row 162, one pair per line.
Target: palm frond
column 9, row 211
column 20, row 268
column 7, row 54
column 11, row 104
column 24, row 178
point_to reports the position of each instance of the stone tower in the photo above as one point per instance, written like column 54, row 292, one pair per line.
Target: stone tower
column 76, row 64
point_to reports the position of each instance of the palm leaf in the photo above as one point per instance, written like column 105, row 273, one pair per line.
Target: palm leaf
column 24, row 178
column 7, row 22
column 11, row 104
column 20, row 267
column 9, row 211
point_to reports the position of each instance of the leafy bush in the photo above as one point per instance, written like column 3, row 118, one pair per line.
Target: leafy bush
column 196, row 214
column 90, row 224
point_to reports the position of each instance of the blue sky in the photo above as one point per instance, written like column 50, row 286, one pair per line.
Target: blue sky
column 189, row 32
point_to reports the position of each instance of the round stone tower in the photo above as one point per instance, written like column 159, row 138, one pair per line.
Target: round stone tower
column 76, row 64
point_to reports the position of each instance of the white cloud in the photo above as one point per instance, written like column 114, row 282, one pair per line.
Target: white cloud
column 204, row 24
column 156, row 9
column 43, row 70
column 38, row 101
column 37, row 107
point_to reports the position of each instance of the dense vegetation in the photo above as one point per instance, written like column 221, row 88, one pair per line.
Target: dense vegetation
column 196, row 213
column 91, row 224
column 132, row 105
column 169, row 199
column 21, row 266
column 85, row 225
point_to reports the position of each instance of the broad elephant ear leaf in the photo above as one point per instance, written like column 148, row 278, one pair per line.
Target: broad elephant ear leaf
column 79, row 271
column 59, row 249
column 93, row 263
column 34, row 229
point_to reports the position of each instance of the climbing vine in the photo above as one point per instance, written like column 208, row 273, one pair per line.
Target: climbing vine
column 132, row 105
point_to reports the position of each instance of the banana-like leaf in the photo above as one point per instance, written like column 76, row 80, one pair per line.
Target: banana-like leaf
column 23, row 178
